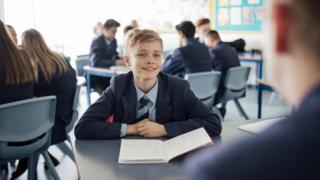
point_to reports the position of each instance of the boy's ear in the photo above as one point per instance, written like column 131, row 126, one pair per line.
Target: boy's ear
column 283, row 24
column 126, row 60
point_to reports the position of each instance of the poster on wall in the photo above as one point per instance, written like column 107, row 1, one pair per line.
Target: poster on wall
column 235, row 2
column 223, row 16
column 235, row 16
column 238, row 15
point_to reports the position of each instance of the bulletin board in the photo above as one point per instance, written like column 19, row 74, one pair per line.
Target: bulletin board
column 238, row 15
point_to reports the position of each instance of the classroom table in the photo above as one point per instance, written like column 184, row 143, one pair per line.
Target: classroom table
column 261, row 86
column 101, row 72
column 98, row 159
column 257, row 59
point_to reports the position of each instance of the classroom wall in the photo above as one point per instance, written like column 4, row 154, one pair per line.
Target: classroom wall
column 1, row 10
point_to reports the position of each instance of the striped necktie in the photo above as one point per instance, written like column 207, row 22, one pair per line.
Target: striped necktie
column 143, row 110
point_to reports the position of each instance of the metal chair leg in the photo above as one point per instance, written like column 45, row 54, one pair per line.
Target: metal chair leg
column 63, row 147
column 50, row 165
column 32, row 167
column 240, row 109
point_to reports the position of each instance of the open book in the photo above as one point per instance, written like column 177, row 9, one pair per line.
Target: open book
column 134, row 151
column 258, row 127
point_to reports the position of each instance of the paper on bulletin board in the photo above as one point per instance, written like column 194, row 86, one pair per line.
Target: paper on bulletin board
column 236, row 2
column 224, row 2
column 235, row 16
column 253, row 1
column 248, row 16
column 223, row 16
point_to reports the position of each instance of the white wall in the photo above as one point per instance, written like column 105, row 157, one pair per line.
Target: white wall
column 1, row 10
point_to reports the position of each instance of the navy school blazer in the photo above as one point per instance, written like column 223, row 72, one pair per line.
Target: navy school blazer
column 287, row 150
column 176, row 107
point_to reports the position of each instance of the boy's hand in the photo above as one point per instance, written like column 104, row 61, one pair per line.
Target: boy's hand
column 147, row 128
column 131, row 129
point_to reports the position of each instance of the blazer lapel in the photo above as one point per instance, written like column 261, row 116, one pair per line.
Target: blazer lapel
column 129, row 102
column 163, row 105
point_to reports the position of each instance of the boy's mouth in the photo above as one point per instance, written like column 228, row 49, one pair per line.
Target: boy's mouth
column 149, row 68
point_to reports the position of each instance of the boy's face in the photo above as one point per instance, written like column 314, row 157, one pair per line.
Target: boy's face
column 211, row 43
column 204, row 29
column 145, row 60
column 110, row 32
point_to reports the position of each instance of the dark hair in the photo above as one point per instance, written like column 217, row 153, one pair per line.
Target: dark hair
column 213, row 35
column 17, row 68
column 187, row 28
column 202, row 21
column 127, row 28
column 111, row 23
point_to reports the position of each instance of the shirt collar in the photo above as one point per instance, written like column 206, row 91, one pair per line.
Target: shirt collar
column 151, row 95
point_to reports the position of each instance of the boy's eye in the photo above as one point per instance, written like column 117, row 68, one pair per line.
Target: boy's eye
column 157, row 55
column 141, row 55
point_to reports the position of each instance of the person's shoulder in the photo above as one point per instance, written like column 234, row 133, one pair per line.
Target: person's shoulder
column 118, row 82
column 98, row 40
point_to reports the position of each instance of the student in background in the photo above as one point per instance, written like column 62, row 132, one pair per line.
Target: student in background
column 145, row 102
column 55, row 77
column 12, row 33
column 134, row 24
column 103, row 53
column 17, row 74
column 192, row 56
column 203, row 27
column 127, row 29
column 97, row 29
column 290, row 148
column 223, row 57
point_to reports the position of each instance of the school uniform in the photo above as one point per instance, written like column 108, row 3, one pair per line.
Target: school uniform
column 287, row 150
column 103, row 54
column 175, row 106
column 193, row 57
column 63, row 86
column 223, row 57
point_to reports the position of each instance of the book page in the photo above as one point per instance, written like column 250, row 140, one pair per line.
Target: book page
column 258, row 127
column 142, row 151
column 187, row 142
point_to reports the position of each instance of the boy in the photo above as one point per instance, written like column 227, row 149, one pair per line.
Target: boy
column 191, row 57
column 289, row 149
column 145, row 102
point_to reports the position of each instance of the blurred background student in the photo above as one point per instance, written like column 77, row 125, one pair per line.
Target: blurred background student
column 55, row 77
column 17, row 73
column 12, row 33
column 191, row 57
column 203, row 27
column 103, row 53
column 223, row 57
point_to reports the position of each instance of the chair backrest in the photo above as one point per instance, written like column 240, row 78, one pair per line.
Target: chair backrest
column 204, row 85
column 75, row 112
column 25, row 126
column 81, row 61
column 236, row 78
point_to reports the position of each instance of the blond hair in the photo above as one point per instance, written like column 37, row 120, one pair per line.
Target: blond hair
column 47, row 61
column 137, row 36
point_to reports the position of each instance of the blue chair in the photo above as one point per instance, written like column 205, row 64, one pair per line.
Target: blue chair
column 25, row 129
column 75, row 115
column 204, row 85
column 235, row 84
column 81, row 61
